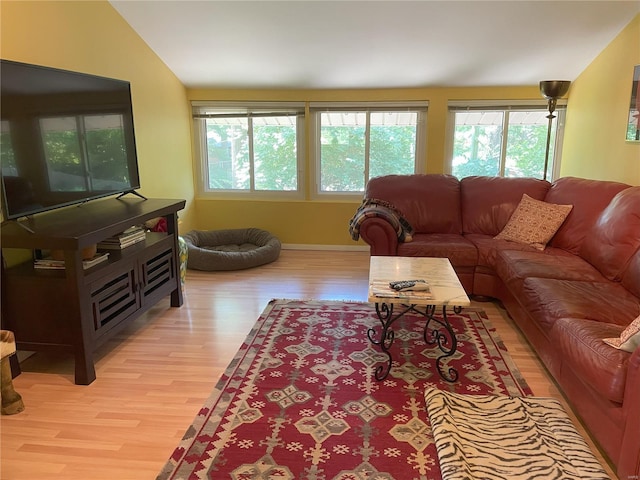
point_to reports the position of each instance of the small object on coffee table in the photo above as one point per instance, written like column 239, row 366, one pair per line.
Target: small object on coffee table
column 409, row 285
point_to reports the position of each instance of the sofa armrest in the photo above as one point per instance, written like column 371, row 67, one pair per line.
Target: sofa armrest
column 629, row 461
column 380, row 235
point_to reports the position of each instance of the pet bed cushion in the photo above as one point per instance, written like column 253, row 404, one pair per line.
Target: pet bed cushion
column 233, row 249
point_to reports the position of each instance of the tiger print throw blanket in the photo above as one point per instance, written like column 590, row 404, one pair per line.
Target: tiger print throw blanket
column 500, row 437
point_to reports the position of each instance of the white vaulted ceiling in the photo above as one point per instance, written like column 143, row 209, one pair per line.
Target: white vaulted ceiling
column 375, row 44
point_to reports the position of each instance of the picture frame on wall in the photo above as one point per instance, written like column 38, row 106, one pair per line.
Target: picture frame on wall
column 633, row 123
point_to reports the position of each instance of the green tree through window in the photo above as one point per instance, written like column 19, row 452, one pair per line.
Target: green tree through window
column 258, row 149
column 502, row 142
column 250, row 152
column 355, row 146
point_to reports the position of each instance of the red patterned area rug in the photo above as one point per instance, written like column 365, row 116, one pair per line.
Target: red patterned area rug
column 300, row 401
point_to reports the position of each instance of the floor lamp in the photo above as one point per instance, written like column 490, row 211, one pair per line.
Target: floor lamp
column 552, row 90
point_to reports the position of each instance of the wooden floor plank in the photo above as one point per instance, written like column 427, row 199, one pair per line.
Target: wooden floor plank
column 153, row 377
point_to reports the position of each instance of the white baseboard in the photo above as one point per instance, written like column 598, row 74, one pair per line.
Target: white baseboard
column 309, row 246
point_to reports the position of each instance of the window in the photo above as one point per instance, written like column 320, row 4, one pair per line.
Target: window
column 507, row 141
column 353, row 143
column 250, row 148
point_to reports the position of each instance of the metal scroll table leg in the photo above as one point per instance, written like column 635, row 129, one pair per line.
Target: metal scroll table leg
column 444, row 337
column 386, row 317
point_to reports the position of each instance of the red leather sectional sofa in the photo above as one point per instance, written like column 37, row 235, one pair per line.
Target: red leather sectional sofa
column 583, row 287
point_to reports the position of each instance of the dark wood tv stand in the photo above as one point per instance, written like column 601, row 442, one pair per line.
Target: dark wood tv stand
column 76, row 309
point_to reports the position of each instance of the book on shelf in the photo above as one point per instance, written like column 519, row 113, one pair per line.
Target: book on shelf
column 129, row 237
column 136, row 230
column 49, row 263
column 120, row 245
column 95, row 260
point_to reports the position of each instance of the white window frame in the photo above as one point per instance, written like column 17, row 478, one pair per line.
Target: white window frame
column 506, row 106
column 317, row 108
column 242, row 109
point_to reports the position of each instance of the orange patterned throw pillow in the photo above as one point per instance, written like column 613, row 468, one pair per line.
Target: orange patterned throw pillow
column 629, row 338
column 534, row 222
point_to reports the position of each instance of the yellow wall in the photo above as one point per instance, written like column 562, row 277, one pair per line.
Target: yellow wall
column 91, row 37
column 325, row 222
column 597, row 113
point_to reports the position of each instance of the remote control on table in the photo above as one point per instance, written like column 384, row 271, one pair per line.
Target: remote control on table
column 409, row 285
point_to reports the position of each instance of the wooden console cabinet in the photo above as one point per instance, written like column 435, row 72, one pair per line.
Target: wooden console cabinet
column 76, row 309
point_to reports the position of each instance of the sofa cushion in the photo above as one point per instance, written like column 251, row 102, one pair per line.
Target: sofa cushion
column 534, row 222
column 629, row 339
column 489, row 202
column 514, row 267
column 631, row 275
column 615, row 237
column 589, row 199
column 431, row 203
column 548, row 299
column 488, row 248
column 460, row 251
column 600, row 366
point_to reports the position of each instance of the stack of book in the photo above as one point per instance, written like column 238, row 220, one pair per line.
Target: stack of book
column 129, row 237
column 49, row 263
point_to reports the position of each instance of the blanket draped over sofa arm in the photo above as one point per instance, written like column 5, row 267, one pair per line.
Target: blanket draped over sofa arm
column 371, row 207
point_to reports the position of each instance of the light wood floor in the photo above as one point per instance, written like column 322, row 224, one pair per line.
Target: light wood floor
column 153, row 378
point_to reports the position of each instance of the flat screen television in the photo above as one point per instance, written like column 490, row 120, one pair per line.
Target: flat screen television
column 66, row 138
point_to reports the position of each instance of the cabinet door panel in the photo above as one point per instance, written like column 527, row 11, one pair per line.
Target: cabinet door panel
column 158, row 272
column 114, row 299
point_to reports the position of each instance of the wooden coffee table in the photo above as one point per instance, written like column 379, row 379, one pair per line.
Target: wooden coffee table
column 445, row 291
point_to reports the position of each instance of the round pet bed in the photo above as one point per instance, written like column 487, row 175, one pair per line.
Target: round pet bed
column 234, row 249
